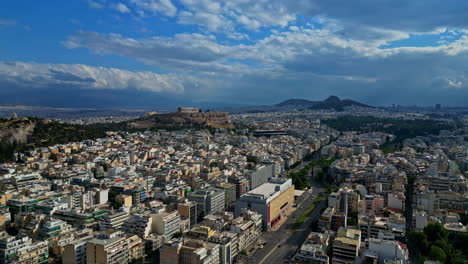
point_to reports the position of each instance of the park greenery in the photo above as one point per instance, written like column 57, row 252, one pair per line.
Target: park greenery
column 402, row 129
column 299, row 178
column 436, row 243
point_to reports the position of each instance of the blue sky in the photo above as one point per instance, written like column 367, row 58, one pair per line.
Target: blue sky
column 234, row 52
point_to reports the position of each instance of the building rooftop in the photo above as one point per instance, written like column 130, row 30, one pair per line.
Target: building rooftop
column 270, row 189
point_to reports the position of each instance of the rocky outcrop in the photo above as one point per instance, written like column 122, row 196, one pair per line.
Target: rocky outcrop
column 16, row 130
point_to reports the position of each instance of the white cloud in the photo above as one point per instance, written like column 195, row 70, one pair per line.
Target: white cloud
column 95, row 4
column 455, row 84
column 184, row 52
column 82, row 76
column 122, row 8
column 165, row 7
column 213, row 22
column 219, row 16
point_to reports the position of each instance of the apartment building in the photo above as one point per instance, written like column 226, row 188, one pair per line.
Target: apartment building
column 108, row 248
column 346, row 246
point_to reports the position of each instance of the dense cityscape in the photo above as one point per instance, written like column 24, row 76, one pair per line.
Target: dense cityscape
column 234, row 132
column 279, row 187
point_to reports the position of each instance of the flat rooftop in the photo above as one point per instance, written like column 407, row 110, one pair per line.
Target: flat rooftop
column 269, row 190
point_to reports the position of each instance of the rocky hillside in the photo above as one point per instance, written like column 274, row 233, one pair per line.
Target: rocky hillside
column 16, row 130
column 189, row 120
column 22, row 134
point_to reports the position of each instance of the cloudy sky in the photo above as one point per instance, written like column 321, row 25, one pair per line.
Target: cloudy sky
column 149, row 52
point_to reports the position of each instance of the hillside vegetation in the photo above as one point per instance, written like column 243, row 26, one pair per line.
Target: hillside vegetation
column 23, row 134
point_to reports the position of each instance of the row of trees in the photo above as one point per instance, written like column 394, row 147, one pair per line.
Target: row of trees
column 299, row 178
column 436, row 243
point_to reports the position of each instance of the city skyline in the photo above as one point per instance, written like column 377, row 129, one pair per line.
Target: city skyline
column 128, row 53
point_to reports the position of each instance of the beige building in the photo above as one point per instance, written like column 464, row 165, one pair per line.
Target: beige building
column 136, row 247
column 272, row 200
column 190, row 251
column 4, row 198
column 166, row 224
column 188, row 210
column 346, row 246
column 125, row 200
column 75, row 252
column 108, row 248
column 21, row 250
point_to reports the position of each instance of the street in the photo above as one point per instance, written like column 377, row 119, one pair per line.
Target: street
column 282, row 244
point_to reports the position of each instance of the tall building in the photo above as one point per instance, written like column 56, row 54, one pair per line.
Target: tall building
column 166, row 224
column 228, row 246
column 372, row 205
column 272, row 200
column 324, row 222
column 75, row 253
column 334, row 200
column 188, row 210
column 229, row 194
column 136, row 248
column 102, row 196
column 338, row 220
column 438, row 107
column 208, row 200
column 260, row 175
column 346, row 246
column 108, row 248
column 371, row 226
column 241, row 186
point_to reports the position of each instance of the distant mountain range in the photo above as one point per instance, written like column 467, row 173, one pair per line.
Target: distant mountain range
column 297, row 102
column 331, row 103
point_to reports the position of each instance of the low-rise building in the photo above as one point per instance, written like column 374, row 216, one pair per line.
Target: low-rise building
column 314, row 250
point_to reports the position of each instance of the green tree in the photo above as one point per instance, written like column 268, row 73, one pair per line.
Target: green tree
column 435, row 231
column 137, row 261
column 352, row 218
column 436, row 253
column 418, row 244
